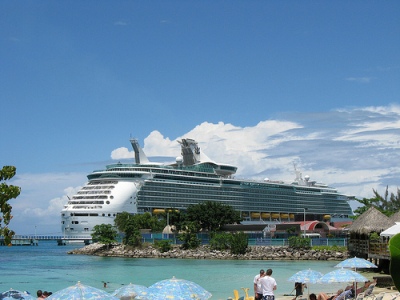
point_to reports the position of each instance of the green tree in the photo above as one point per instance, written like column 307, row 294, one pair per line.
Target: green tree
column 220, row 241
column 386, row 204
column 105, row 234
column 299, row 242
column 189, row 236
column 7, row 192
column 212, row 215
column 394, row 247
column 239, row 243
column 140, row 221
column 130, row 225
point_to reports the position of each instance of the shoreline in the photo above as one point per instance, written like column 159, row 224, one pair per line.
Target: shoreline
column 204, row 252
column 282, row 253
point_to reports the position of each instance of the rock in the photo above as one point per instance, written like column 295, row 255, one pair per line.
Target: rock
column 204, row 252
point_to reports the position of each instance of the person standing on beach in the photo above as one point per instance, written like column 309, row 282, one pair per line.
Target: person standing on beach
column 268, row 285
column 258, row 294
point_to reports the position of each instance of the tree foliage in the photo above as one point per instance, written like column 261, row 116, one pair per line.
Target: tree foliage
column 130, row 225
column 105, row 234
column 387, row 204
column 236, row 242
column 297, row 242
column 239, row 243
column 7, row 192
column 189, row 235
column 212, row 215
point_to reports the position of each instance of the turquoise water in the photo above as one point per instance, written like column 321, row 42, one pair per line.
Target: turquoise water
column 49, row 267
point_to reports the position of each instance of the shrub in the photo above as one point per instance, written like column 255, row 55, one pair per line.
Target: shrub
column 299, row 242
column 163, row 245
column 239, row 243
column 220, row 241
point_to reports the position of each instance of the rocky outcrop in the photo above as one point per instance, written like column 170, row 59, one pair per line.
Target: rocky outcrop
column 204, row 252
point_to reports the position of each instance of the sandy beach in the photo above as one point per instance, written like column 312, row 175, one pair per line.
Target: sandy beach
column 389, row 294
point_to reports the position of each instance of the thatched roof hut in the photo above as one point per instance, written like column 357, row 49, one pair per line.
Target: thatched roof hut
column 370, row 221
column 395, row 217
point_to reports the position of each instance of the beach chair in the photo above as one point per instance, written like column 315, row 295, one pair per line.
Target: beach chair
column 380, row 296
column 246, row 293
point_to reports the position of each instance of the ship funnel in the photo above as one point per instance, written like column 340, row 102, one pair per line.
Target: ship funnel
column 140, row 157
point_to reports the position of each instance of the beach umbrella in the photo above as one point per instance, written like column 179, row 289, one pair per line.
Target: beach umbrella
column 306, row 276
column 342, row 275
column 131, row 291
column 175, row 288
column 81, row 292
column 355, row 263
column 15, row 294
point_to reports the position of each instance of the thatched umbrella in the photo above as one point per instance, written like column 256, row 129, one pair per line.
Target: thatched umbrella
column 395, row 217
column 370, row 221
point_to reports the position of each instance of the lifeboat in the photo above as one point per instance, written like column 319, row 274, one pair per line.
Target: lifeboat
column 245, row 214
column 275, row 216
column 284, row 216
column 158, row 211
column 291, row 216
column 255, row 215
column 265, row 215
column 327, row 217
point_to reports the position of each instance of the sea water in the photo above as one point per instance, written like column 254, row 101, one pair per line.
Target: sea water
column 49, row 267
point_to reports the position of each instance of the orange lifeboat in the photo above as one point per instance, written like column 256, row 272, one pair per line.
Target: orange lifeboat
column 255, row 215
column 265, row 215
column 275, row 216
column 158, row 211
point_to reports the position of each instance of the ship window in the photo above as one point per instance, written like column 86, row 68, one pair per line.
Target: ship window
column 111, row 197
column 104, row 215
column 107, row 202
column 86, row 229
column 109, row 215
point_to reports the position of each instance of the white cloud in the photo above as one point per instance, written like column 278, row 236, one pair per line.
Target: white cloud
column 355, row 150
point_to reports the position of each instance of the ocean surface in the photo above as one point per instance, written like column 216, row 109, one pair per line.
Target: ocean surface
column 49, row 267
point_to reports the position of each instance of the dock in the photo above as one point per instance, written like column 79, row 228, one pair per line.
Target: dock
column 33, row 240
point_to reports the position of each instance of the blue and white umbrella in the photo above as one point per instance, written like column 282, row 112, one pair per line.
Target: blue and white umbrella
column 131, row 291
column 355, row 263
column 342, row 275
column 81, row 292
column 15, row 294
column 306, row 276
column 177, row 289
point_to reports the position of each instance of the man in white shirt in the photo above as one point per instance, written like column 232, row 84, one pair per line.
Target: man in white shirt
column 268, row 285
column 258, row 294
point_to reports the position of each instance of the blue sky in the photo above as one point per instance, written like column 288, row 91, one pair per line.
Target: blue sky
column 261, row 84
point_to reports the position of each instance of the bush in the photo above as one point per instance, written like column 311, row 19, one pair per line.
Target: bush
column 163, row 245
column 330, row 248
column 239, row 243
column 296, row 242
column 220, row 241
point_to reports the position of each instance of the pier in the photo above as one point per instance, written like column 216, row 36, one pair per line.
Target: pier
column 33, row 240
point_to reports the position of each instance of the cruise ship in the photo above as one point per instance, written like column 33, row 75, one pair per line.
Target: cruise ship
column 193, row 178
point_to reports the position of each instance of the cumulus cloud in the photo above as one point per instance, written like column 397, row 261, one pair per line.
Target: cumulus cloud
column 354, row 149
column 41, row 200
